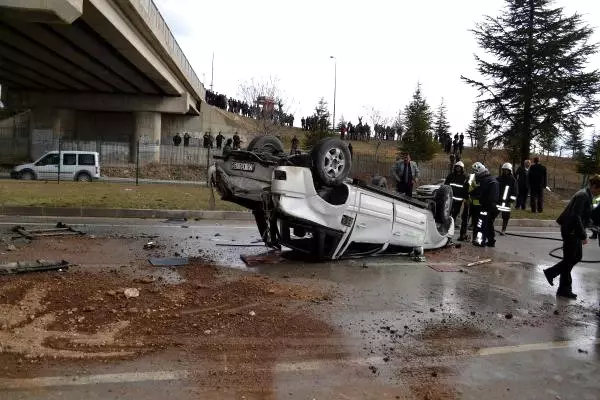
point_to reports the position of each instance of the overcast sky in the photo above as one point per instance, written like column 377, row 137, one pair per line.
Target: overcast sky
column 383, row 48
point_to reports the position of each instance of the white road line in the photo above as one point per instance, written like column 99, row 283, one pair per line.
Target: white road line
column 81, row 380
column 287, row 367
column 521, row 348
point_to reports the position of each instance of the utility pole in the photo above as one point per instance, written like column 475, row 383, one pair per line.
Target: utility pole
column 334, row 89
column 212, row 73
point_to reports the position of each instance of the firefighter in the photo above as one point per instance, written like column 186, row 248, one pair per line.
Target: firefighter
column 508, row 193
column 459, row 183
column 470, row 209
column 487, row 194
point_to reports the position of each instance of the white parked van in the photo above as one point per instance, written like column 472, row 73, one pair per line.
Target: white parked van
column 81, row 166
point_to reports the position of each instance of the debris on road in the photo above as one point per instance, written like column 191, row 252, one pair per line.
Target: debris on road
column 169, row 261
column 131, row 292
column 443, row 267
column 241, row 244
column 508, row 315
column 472, row 264
column 150, row 246
column 60, row 230
column 582, row 351
column 21, row 267
column 271, row 257
column 252, row 313
column 11, row 247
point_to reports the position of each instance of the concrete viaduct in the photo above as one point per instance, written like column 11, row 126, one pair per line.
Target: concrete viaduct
column 91, row 69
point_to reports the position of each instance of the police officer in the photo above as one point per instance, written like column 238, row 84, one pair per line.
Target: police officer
column 573, row 220
column 508, row 193
column 459, row 183
column 487, row 193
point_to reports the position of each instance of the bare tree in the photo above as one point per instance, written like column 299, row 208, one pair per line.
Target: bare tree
column 268, row 116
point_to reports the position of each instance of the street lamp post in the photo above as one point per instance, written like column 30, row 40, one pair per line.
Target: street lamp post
column 334, row 88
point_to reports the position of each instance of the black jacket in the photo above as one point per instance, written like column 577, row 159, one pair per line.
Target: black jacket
column 459, row 184
column 488, row 192
column 522, row 176
column 576, row 216
column 537, row 178
column 511, row 182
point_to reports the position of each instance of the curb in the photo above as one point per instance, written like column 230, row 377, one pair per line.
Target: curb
column 124, row 213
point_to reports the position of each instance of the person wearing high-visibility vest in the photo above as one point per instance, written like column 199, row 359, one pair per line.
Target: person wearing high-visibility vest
column 487, row 193
column 508, row 194
column 459, row 183
column 470, row 210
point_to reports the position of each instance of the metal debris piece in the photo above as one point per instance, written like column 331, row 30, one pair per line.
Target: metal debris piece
column 444, row 267
column 271, row 257
column 21, row 267
column 150, row 246
column 472, row 264
column 169, row 261
column 60, row 230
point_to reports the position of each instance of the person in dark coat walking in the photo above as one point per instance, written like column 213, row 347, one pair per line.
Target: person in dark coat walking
column 487, row 193
column 523, row 184
column 459, row 182
column 573, row 221
column 508, row 194
column 350, row 148
column 237, row 141
column 537, row 185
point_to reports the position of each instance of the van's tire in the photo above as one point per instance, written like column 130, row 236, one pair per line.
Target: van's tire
column 83, row 177
column 27, row 175
column 331, row 161
column 443, row 208
column 265, row 144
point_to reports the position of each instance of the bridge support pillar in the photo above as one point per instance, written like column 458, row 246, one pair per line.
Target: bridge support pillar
column 147, row 131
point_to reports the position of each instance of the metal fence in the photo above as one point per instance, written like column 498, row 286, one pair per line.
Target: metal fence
column 126, row 160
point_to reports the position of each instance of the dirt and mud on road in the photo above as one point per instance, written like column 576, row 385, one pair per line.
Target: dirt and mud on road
column 112, row 305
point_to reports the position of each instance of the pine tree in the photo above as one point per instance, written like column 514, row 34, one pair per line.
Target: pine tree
column 417, row 139
column 589, row 162
column 478, row 129
column 548, row 139
column 574, row 142
column 320, row 124
column 442, row 127
column 538, row 76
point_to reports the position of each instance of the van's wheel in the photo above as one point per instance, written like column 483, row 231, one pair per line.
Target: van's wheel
column 27, row 175
column 83, row 177
column 331, row 161
column 266, row 144
column 443, row 208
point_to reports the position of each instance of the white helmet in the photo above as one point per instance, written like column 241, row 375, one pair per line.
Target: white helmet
column 507, row 166
column 459, row 164
column 478, row 168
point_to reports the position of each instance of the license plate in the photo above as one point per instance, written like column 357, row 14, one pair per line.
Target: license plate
column 243, row 166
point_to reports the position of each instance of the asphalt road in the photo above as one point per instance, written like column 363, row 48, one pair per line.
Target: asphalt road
column 549, row 348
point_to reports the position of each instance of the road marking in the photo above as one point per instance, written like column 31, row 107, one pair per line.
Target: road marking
column 81, row 380
column 521, row 348
column 178, row 225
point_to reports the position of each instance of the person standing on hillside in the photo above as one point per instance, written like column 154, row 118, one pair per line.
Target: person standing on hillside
column 508, row 194
column 523, row 184
column 236, row 141
column 219, row 140
column 537, row 185
column 406, row 173
column 573, row 221
column 294, row 149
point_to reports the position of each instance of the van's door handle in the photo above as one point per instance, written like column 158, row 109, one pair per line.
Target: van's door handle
column 361, row 225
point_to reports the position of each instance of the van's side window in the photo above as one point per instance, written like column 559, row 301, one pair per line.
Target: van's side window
column 87, row 159
column 50, row 159
column 69, row 159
